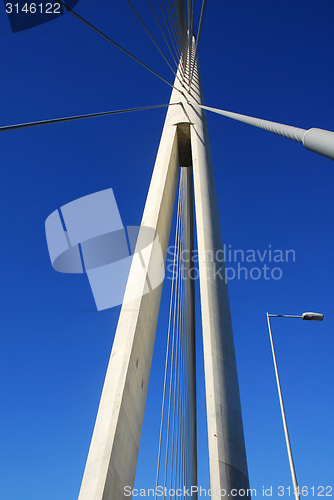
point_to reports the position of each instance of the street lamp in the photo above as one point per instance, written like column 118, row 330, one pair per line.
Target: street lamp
column 310, row 316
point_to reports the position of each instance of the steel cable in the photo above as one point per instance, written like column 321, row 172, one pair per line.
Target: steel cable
column 150, row 35
column 141, row 21
column 198, row 37
column 18, row 126
column 170, row 36
column 175, row 436
column 172, row 355
column 162, row 31
column 112, row 41
column 175, row 440
column 176, row 371
column 173, row 15
column 168, row 343
column 172, row 25
column 192, row 17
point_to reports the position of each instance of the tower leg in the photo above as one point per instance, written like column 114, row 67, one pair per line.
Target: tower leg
column 227, row 455
column 112, row 458
column 188, row 225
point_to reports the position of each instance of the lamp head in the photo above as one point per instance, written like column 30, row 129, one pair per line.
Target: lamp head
column 311, row 316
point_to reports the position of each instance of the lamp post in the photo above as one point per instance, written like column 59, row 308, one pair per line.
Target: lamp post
column 310, row 316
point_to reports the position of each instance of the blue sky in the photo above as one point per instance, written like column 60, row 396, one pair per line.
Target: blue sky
column 267, row 59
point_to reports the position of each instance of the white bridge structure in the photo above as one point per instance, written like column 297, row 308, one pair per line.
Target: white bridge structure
column 183, row 174
column 111, row 463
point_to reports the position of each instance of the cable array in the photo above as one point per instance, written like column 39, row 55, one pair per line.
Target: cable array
column 180, row 32
column 174, row 460
column 148, row 32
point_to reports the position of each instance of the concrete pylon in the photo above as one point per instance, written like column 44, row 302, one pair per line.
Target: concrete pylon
column 227, row 454
column 112, row 458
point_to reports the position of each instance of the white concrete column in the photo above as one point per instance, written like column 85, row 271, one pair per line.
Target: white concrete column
column 112, row 458
column 227, row 455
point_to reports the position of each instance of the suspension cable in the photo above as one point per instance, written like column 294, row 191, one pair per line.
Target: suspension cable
column 175, row 73
column 200, row 26
column 176, row 370
column 172, row 355
column 179, row 346
column 198, row 37
column 168, row 340
column 172, row 24
column 175, row 436
column 112, row 41
column 182, row 337
column 192, row 17
column 170, row 36
column 174, row 17
column 148, row 32
column 179, row 407
column 189, row 17
column 18, row 126
column 162, row 31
